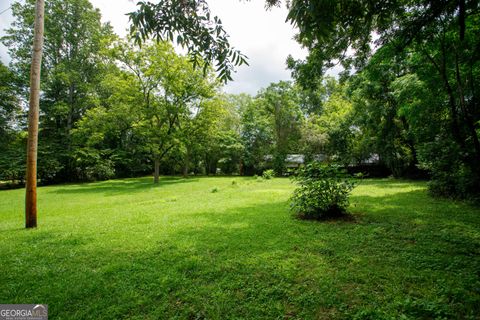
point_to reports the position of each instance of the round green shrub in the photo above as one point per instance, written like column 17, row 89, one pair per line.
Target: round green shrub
column 322, row 192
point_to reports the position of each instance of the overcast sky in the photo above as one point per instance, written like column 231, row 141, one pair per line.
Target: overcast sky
column 262, row 35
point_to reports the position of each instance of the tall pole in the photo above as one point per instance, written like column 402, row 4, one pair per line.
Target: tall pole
column 33, row 114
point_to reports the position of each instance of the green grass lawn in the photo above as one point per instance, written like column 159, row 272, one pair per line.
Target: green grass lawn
column 129, row 249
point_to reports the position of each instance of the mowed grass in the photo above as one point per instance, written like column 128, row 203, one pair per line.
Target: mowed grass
column 128, row 249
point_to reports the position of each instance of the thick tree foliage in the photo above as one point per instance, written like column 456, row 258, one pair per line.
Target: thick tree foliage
column 72, row 68
column 408, row 100
column 280, row 102
column 166, row 90
column 12, row 144
column 434, row 43
column 190, row 24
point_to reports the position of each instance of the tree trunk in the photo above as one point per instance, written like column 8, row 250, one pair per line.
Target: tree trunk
column 185, row 164
column 240, row 168
column 33, row 114
column 71, row 90
column 207, row 166
column 156, row 174
column 185, row 169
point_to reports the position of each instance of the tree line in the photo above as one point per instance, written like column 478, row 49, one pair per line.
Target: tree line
column 112, row 109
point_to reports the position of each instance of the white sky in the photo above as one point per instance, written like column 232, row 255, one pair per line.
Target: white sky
column 262, row 35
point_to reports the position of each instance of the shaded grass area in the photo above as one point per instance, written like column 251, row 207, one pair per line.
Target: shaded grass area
column 129, row 249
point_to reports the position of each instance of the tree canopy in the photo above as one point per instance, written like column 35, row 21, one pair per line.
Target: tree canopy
column 406, row 104
column 190, row 24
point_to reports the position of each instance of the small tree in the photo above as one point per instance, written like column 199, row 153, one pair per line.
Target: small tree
column 322, row 193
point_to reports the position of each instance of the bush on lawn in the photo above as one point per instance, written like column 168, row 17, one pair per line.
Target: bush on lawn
column 322, row 192
column 268, row 174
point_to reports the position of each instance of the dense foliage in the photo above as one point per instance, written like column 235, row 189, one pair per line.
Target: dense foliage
column 407, row 106
column 190, row 24
column 412, row 68
column 322, row 192
column 268, row 174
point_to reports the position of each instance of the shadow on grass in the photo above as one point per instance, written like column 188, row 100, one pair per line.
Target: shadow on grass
column 257, row 262
column 414, row 203
column 13, row 229
column 121, row 186
column 390, row 183
column 240, row 263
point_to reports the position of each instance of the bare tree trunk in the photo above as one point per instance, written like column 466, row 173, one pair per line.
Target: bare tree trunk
column 156, row 174
column 33, row 114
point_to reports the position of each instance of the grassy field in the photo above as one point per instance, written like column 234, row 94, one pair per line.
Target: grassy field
column 129, row 249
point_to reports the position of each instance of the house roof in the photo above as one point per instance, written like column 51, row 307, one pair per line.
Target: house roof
column 295, row 158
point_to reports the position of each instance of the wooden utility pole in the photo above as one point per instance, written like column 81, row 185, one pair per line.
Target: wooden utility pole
column 33, row 114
